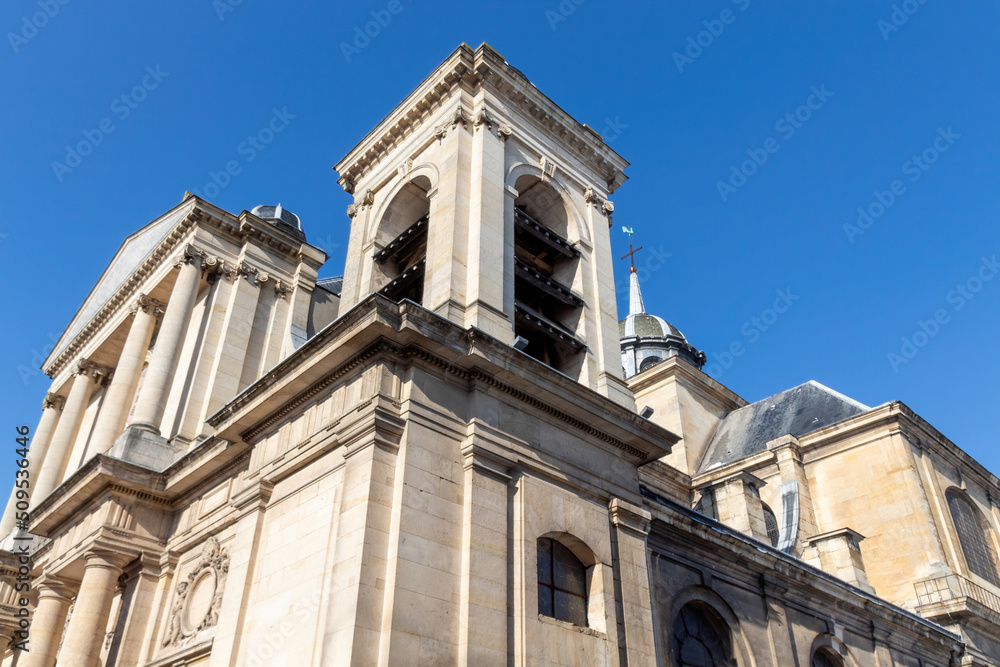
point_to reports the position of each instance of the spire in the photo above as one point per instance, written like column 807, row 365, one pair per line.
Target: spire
column 635, row 306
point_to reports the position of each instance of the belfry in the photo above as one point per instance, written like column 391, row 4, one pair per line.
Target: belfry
column 450, row 455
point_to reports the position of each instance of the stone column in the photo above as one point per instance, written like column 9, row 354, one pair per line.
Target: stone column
column 482, row 623
column 118, row 398
column 163, row 365
column 66, row 430
column 630, row 528
column 85, row 633
column 51, row 409
column 46, row 625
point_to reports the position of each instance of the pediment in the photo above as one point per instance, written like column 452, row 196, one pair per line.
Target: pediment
column 131, row 255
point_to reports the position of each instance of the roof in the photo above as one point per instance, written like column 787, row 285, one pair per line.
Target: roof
column 332, row 285
column 797, row 411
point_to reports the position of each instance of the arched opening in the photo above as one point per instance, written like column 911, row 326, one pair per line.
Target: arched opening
column 771, row 524
column 701, row 638
column 649, row 362
column 825, row 657
column 562, row 583
column 401, row 244
column 973, row 535
column 547, row 311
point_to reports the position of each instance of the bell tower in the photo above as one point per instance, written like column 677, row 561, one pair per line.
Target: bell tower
column 481, row 200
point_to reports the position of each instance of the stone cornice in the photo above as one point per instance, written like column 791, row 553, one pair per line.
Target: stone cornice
column 805, row 582
column 245, row 227
column 481, row 69
column 916, row 428
column 700, row 381
column 410, row 335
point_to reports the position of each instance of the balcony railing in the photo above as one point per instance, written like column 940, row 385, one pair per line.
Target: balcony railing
column 955, row 587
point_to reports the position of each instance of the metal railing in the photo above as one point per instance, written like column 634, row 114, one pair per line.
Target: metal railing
column 955, row 587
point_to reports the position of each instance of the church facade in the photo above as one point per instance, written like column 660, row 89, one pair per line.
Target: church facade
column 456, row 453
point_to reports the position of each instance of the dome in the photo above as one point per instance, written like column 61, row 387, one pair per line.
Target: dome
column 280, row 217
column 647, row 339
column 645, row 325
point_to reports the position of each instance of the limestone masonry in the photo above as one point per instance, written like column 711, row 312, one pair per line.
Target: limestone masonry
column 455, row 454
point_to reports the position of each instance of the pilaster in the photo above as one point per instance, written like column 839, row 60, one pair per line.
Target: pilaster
column 737, row 499
column 251, row 507
column 483, row 603
column 630, row 524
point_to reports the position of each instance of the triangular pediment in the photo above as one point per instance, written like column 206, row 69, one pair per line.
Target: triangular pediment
column 133, row 252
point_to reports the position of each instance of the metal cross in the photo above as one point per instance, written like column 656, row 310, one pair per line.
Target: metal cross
column 631, row 252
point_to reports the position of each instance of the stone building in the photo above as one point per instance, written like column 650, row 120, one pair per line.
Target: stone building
column 438, row 459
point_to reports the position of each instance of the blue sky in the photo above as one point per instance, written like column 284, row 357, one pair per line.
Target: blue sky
column 756, row 132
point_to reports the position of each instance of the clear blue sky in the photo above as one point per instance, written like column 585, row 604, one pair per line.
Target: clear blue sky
column 881, row 93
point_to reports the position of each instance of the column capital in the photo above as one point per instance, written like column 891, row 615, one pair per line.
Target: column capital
column 51, row 587
column 89, row 368
column 53, row 401
column 148, row 304
column 107, row 558
column 190, row 255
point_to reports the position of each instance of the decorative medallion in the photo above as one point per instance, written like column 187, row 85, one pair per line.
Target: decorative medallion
column 199, row 596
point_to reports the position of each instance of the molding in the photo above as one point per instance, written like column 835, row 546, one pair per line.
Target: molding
column 53, row 401
column 212, row 566
column 476, row 71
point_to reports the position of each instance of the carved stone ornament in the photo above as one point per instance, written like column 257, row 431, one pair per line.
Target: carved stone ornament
column 504, row 131
column 548, row 169
column 53, row 401
column 352, row 210
column 483, row 117
column 199, row 596
column 458, row 117
column 148, row 304
column 190, row 254
column 405, row 167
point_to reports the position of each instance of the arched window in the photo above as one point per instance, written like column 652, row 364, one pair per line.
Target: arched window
column 974, row 537
column 701, row 638
column 771, row 523
column 649, row 362
column 562, row 583
column 824, row 657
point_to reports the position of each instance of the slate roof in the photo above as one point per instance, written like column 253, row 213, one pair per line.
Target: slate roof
column 796, row 411
column 332, row 285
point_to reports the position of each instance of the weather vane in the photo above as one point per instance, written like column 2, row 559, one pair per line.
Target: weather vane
column 631, row 253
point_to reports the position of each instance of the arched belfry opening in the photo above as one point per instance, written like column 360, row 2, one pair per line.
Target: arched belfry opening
column 547, row 310
column 400, row 255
